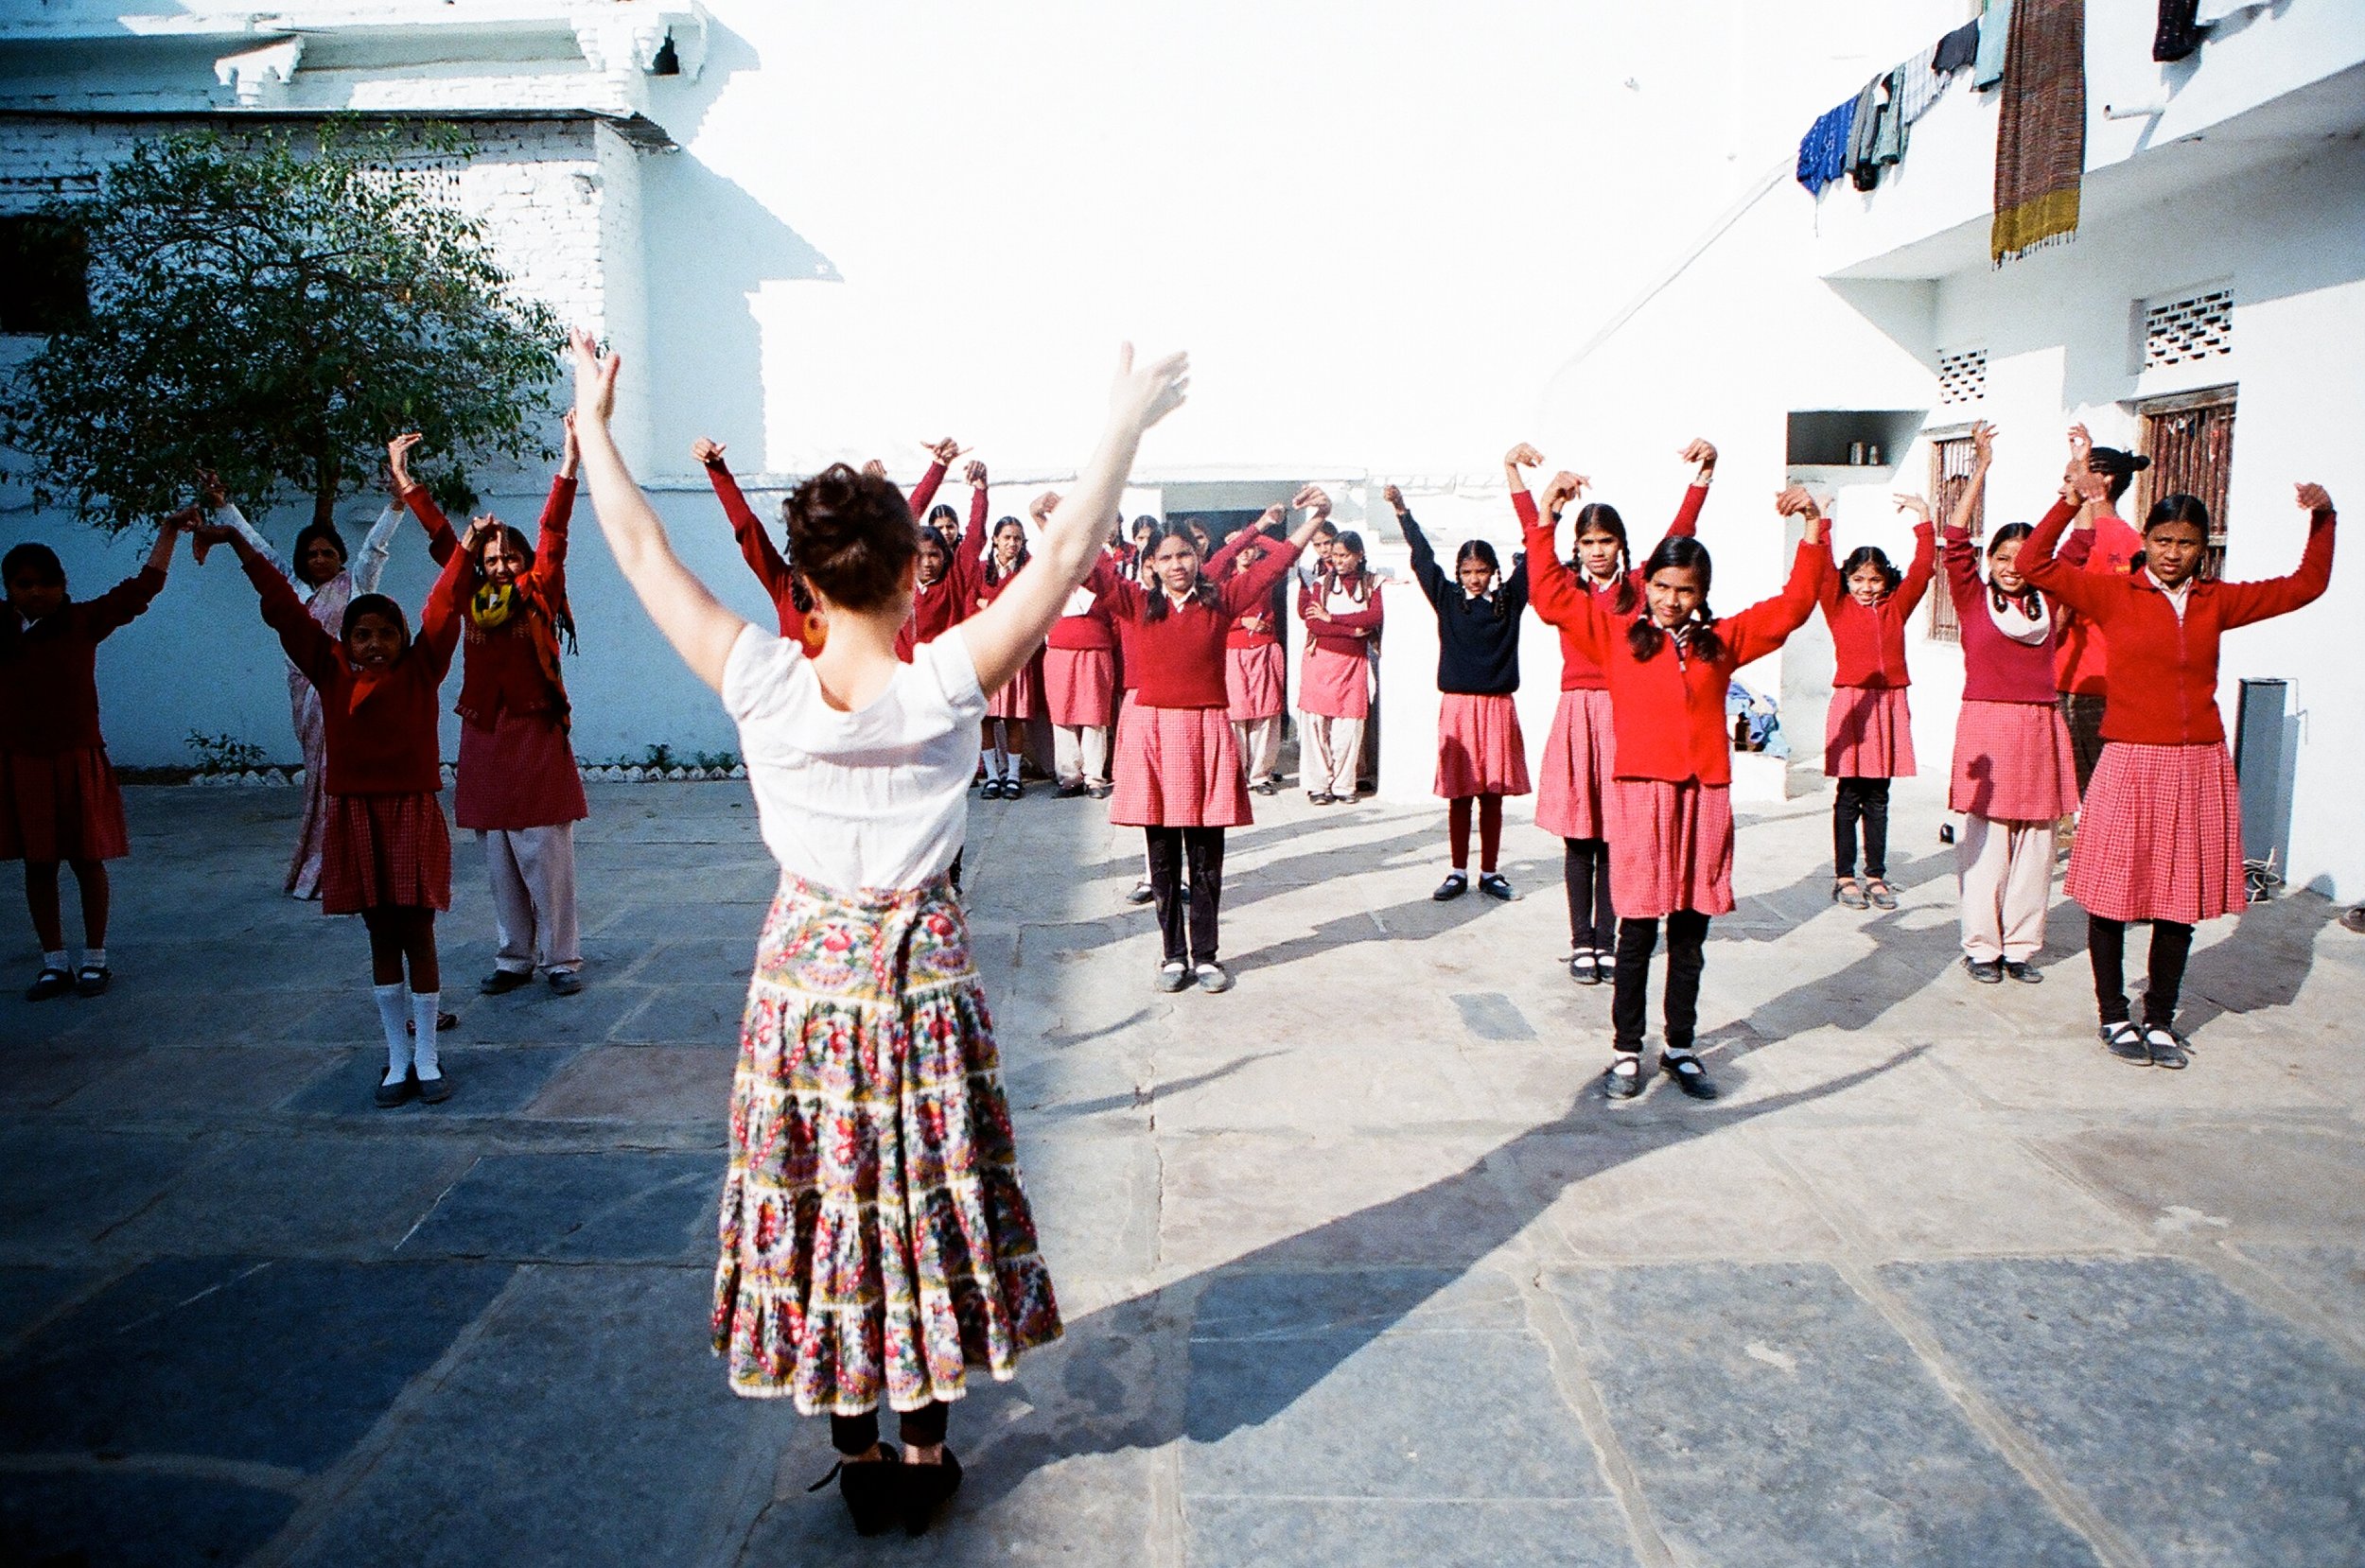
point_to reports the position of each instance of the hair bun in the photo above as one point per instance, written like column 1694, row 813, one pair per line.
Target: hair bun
column 2137, row 462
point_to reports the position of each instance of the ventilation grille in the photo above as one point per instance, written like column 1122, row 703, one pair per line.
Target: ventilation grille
column 2198, row 327
column 1963, row 375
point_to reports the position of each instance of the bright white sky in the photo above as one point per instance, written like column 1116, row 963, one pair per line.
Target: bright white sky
column 1376, row 227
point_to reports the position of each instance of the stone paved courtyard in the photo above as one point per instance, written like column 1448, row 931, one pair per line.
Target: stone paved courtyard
column 1357, row 1268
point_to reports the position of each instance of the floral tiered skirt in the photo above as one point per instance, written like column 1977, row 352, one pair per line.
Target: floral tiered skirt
column 876, row 1242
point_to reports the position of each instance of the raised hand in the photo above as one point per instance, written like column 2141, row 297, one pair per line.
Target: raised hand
column 211, row 491
column 398, row 457
column 1394, row 496
column 595, row 379
column 1312, row 499
column 2313, row 498
column 1523, row 456
column 570, row 453
column 1564, row 487
column 1982, row 442
column 2081, row 444
column 1915, row 504
column 1041, row 507
column 1799, row 501
column 705, row 453
column 1274, row 520
column 874, row 469
column 944, row 451
column 976, row 475
column 1143, row 394
column 1703, row 455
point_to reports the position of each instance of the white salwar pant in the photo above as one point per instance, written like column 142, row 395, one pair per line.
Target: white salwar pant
column 1329, row 752
column 1259, row 741
column 2007, row 873
column 1080, row 752
column 533, row 871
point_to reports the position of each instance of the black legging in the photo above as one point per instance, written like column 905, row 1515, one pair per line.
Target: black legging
column 1202, row 847
column 1585, row 868
column 922, row 1428
column 2106, row 945
column 1865, row 799
column 1687, row 933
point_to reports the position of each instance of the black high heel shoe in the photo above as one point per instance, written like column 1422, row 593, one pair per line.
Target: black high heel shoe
column 873, row 1490
column 926, row 1488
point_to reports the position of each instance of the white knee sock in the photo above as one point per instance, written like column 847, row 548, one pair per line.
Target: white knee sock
column 94, row 958
column 424, row 1008
column 390, row 1018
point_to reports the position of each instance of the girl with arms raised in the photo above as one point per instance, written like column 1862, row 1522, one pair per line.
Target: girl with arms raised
column 1869, row 732
column 876, row 1242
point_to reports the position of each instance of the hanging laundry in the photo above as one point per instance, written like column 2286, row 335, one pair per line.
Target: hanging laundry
column 1957, row 51
column 1995, row 31
column 1822, row 151
column 2040, row 139
column 1864, row 170
column 2179, row 33
column 1918, row 85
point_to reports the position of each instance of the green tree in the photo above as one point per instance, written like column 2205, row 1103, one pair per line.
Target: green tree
column 275, row 309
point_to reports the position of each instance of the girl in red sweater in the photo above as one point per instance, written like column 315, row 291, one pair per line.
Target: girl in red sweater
column 1868, row 733
column 2161, row 835
column 1255, row 671
column 950, row 574
column 59, row 800
column 2015, row 774
column 1668, row 661
column 518, row 790
column 1573, row 787
column 1177, row 772
column 387, row 855
column 1019, row 697
column 1343, row 618
column 791, row 601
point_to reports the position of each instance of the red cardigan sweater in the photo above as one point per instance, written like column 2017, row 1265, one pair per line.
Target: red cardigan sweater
column 2163, row 686
column 1253, row 627
column 1668, row 711
column 1577, row 672
column 513, row 667
column 49, row 670
column 1869, row 644
column 939, row 606
column 1995, row 668
column 756, row 548
column 1091, row 630
column 2081, row 663
column 1352, row 633
column 380, row 729
column 1177, row 660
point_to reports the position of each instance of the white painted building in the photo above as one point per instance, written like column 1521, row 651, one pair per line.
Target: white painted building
column 831, row 232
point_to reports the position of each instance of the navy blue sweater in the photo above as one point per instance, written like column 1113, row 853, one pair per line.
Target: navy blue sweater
column 1477, row 640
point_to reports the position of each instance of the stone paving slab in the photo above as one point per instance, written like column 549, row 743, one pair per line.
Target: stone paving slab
column 112, row 1519
column 625, row 1206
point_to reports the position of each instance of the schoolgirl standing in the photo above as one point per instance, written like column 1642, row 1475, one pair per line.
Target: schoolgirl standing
column 876, row 1242
column 1178, row 771
column 2097, row 477
column 1668, row 660
column 387, row 855
column 517, row 786
column 791, row 601
column 1019, row 697
column 1255, row 671
column 1868, row 731
column 1079, row 673
column 59, row 800
column 1343, row 618
column 2160, row 838
column 2014, row 773
column 1481, row 753
column 322, row 580
column 950, row 573
column 1573, row 790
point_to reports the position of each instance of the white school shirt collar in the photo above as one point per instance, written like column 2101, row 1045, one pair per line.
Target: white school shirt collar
column 2175, row 596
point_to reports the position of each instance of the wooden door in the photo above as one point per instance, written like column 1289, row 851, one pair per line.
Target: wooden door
column 2190, row 442
column 1949, row 472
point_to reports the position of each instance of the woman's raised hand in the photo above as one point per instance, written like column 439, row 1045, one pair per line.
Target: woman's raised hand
column 2314, row 498
column 1982, row 442
column 705, row 453
column 1143, row 394
column 1041, row 507
column 595, row 379
column 1702, row 454
column 2081, row 444
column 975, row 475
column 1564, row 487
column 1311, row 498
column 398, row 457
column 874, row 469
column 1799, row 501
column 944, row 451
column 1523, row 456
column 571, row 452
column 1915, row 504
column 1394, row 496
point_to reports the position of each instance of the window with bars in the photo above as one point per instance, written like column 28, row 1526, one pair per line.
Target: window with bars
column 2181, row 331
column 1963, row 376
column 1949, row 472
column 2190, row 443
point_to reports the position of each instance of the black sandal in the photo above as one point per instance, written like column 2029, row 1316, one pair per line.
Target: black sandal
column 871, row 1487
column 926, row 1488
column 90, row 980
column 1878, row 890
column 1688, row 1074
column 49, row 982
column 1845, row 891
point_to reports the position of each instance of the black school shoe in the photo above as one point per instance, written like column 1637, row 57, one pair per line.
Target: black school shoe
column 1583, row 967
column 1987, row 971
column 49, row 982
column 502, row 982
column 1072, row 790
column 2165, row 1047
column 1454, row 887
column 872, row 1490
column 90, row 980
column 1688, row 1074
column 1622, row 1082
column 387, row 1096
column 2125, row 1042
column 2026, row 974
column 926, row 1488
column 1496, row 885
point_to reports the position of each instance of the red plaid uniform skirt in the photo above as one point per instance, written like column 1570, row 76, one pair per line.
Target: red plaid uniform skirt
column 1255, row 682
column 517, row 772
column 1671, row 847
column 1178, row 767
column 1573, row 790
column 60, row 806
column 2013, row 762
column 385, row 849
column 1021, row 696
column 2161, row 837
column 1868, row 733
column 1480, row 749
column 1080, row 685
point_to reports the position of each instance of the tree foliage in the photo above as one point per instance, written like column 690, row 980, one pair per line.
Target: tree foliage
column 275, row 309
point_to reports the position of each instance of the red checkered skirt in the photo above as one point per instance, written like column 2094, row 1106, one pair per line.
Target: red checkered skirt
column 1868, row 733
column 1332, row 685
column 1080, row 685
column 385, row 849
column 2013, row 762
column 1480, row 749
column 1671, row 847
column 517, row 772
column 2161, row 835
column 1178, row 767
column 1572, row 786
column 61, row 806
column 1255, row 682
column 1021, row 696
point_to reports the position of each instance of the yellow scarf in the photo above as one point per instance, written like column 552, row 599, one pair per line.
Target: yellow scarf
column 492, row 606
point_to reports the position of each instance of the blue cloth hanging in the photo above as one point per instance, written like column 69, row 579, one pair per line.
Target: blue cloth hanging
column 1822, row 151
